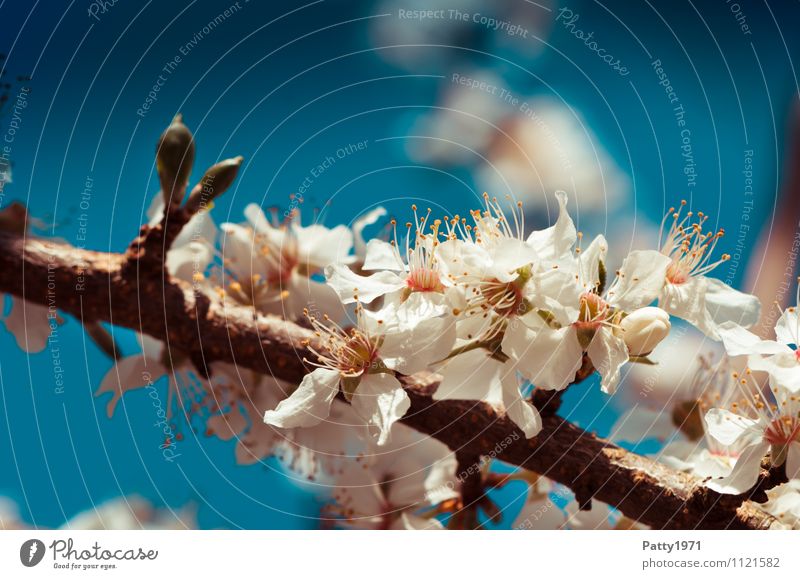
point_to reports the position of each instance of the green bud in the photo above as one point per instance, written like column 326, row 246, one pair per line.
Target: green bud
column 174, row 160
column 217, row 179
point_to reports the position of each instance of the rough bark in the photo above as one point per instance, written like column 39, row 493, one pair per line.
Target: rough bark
column 133, row 290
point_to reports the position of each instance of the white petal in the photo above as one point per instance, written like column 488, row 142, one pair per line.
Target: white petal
column 310, row 404
column 745, row 472
column 520, row 411
column 640, row 279
column 708, row 303
column 508, row 256
column 555, row 291
column 457, row 257
column 382, row 255
column 728, row 427
column 725, row 304
column 786, row 328
column 348, row 285
column 548, row 358
column 183, row 262
column 359, row 224
column 441, row 483
column 741, row 342
column 238, row 251
column 29, row 324
column 557, row 241
column 688, row 301
column 306, row 293
column 319, row 246
column 784, row 369
column 431, row 340
column 589, row 262
column 255, row 216
column 199, row 229
column 421, row 306
column 381, row 401
column 472, row 375
column 608, row 354
column 707, row 464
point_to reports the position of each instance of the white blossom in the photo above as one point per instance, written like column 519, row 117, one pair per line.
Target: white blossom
column 688, row 292
column 361, row 362
column 758, row 424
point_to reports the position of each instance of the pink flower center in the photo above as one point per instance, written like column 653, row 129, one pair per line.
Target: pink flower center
column 593, row 311
column 783, row 430
column 678, row 273
column 424, row 280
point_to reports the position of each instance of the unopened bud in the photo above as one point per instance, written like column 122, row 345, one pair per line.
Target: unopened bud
column 174, row 160
column 215, row 182
column 644, row 329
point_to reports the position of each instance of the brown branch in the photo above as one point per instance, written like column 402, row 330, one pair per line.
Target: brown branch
column 107, row 287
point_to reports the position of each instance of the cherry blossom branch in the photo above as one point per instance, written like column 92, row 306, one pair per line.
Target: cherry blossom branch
column 133, row 290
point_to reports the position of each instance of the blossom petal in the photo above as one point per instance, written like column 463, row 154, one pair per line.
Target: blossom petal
column 239, row 252
column 473, row 375
column 608, row 354
column 520, row 411
column 381, row 401
column 310, row 404
column 556, row 241
column 368, row 218
column 555, row 291
column 745, row 472
column 548, row 358
column 307, row 293
column 589, row 263
column 382, row 255
column 640, row 279
column 741, row 342
column 728, row 427
column 726, row 304
column 688, row 301
column 786, row 328
column 508, row 256
column 183, row 262
column 349, row 285
column 784, row 369
column 319, row 246
column 457, row 257
column 430, row 340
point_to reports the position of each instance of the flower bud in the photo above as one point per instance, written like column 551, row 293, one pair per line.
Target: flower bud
column 214, row 183
column 174, row 160
column 643, row 330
